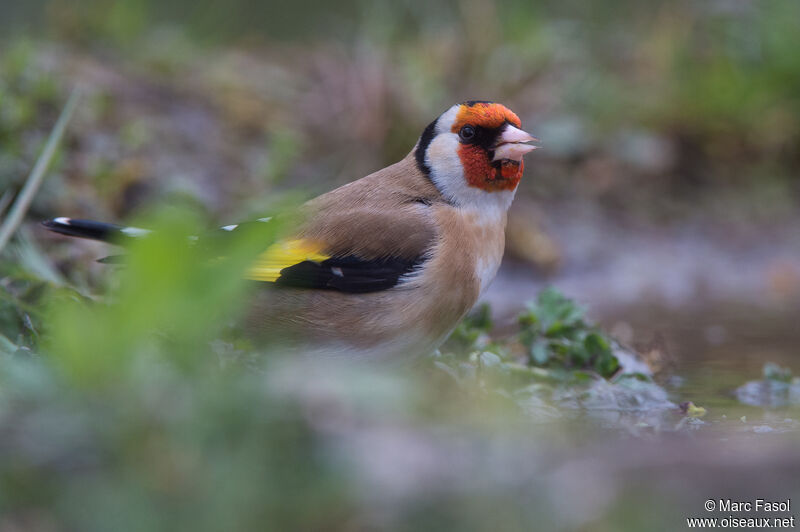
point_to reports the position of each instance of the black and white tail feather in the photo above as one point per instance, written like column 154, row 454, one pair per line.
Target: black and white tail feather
column 344, row 273
column 112, row 233
column 105, row 232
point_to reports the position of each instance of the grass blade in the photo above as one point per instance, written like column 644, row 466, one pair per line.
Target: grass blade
column 5, row 200
column 27, row 193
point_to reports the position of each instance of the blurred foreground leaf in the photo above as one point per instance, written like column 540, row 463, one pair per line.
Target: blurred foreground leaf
column 174, row 297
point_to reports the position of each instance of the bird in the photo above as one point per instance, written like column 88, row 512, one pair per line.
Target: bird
column 386, row 266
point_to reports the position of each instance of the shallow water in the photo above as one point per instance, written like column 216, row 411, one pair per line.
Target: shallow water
column 707, row 305
column 704, row 354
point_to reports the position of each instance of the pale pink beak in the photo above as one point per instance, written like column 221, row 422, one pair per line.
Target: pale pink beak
column 511, row 144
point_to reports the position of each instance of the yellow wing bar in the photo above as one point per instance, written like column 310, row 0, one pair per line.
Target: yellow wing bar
column 280, row 255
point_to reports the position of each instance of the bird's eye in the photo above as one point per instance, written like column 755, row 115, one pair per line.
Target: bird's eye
column 467, row 133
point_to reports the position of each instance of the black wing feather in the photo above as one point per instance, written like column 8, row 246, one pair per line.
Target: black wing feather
column 347, row 274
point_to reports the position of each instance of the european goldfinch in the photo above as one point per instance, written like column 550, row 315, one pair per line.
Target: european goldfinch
column 387, row 265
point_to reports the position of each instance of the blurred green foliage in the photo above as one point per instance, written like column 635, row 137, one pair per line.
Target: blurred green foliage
column 554, row 334
column 141, row 403
column 124, row 404
column 703, row 96
column 554, row 331
column 28, row 103
column 774, row 372
column 173, row 299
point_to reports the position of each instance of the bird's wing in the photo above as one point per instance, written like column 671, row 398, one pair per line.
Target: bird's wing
column 349, row 250
column 362, row 237
column 295, row 263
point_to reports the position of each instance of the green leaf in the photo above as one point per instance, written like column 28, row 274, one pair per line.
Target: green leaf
column 579, row 356
column 539, row 353
column 596, row 345
column 557, row 328
column 606, row 366
column 528, row 318
column 488, row 359
column 480, row 318
column 552, row 306
column 773, row 372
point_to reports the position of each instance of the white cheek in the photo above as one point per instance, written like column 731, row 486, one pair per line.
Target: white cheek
column 442, row 158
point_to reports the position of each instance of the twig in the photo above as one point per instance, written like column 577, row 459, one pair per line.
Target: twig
column 27, row 193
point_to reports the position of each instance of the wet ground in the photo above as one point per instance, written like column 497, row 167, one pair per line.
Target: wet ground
column 707, row 309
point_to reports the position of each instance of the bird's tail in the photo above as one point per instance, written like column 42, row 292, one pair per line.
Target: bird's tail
column 93, row 230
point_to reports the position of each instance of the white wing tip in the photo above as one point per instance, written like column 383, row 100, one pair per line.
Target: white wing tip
column 134, row 231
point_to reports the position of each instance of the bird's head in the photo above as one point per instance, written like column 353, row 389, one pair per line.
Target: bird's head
column 473, row 153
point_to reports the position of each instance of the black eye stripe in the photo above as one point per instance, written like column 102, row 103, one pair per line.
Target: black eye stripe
column 485, row 138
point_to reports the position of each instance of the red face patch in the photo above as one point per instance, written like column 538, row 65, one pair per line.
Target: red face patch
column 479, row 171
